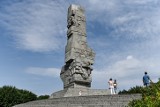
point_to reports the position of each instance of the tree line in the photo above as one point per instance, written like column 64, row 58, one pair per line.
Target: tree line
column 10, row 96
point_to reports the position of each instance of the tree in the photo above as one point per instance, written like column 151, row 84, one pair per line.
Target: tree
column 10, row 96
column 43, row 97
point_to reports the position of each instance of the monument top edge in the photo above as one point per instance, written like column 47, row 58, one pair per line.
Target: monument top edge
column 75, row 7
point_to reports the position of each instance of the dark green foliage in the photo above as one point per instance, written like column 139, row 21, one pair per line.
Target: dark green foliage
column 43, row 97
column 10, row 96
column 133, row 90
column 145, row 91
column 150, row 95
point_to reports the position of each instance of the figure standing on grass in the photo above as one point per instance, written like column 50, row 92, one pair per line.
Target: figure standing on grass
column 111, row 86
column 146, row 79
column 115, row 86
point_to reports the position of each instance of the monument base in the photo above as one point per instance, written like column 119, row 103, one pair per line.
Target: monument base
column 71, row 92
column 85, row 101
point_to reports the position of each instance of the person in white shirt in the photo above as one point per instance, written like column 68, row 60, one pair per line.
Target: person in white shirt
column 111, row 86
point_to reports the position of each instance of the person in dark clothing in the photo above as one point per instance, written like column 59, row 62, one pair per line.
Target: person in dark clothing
column 146, row 79
column 115, row 86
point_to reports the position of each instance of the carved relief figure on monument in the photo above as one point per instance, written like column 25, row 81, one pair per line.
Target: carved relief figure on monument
column 71, row 21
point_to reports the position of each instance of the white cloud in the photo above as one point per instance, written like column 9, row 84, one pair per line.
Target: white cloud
column 127, row 18
column 103, row 5
column 36, row 26
column 141, row 2
column 128, row 72
column 129, row 57
column 40, row 26
column 51, row 72
column 123, row 70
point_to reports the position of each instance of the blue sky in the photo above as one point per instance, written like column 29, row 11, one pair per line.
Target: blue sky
column 125, row 35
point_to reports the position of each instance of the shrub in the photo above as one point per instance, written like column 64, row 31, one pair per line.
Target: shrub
column 150, row 97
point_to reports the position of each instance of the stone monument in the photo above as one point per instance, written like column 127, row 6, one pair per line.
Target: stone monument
column 79, row 58
column 76, row 73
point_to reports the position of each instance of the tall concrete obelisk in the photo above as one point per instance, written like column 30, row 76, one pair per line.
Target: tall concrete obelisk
column 79, row 58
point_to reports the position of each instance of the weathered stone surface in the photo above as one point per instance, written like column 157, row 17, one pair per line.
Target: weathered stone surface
column 85, row 101
column 70, row 92
column 79, row 58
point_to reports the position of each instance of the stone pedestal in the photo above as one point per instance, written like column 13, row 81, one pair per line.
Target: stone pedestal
column 73, row 92
column 85, row 101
